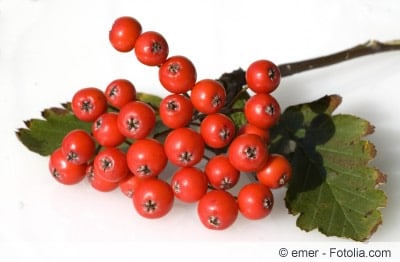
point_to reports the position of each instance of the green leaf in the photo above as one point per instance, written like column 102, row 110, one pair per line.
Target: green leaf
column 43, row 136
column 151, row 99
column 333, row 189
column 238, row 117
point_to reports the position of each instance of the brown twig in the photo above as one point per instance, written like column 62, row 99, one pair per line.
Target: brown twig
column 368, row 48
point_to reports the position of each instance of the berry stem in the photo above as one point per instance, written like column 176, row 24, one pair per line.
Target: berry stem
column 368, row 48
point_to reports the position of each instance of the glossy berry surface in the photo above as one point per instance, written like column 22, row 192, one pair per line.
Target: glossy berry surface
column 78, row 147
column 208, row 96
column 189, row 184
column 89, row 103
column 151, row 48
column 255, row 201
column 217, row 210
column 124, row 32
column 136, row 120
column 120, row 92
column 263, row 76
column 154, row 198
column 178, row 74
column 63, row 170
column 276, row 173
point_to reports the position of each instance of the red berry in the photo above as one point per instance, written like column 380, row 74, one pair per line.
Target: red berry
column 208, row 96
column 120, row 92
column 154, row 198
column 97, row 182
column 189, row 184
column 217, row 209
column 136, row 120
column 176, row 111
column 65, row 171
column 105, row 130
column 151, row 48
column 252, row 129
column 130, row 183
column 255, row 201
column 262, row 110
column 217, row 130
column 184, row 147
column 78, row 147
column 146, row 158
column 88, row 104
column 110, row 164
column 124, row 32
column 178, row 74
column 248, row 153
column 263, row 76
column 276, row 172
column 221, row 173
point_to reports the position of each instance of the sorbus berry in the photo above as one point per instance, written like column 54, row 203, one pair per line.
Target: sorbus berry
column 151, row 48
column 208, row 96
column 262, row 110
column 124, row 32
column 97, row 182
column 189, row 184
column 176, row 111
column 146, row 158
column 154, row 198
column 248, row 153
column 78, row 147
column 217, row 209
column 130, row 183
column 255, row 201
column 178, row 74
column 120, row 92
column 184, row 147
column 110, row 164
column 105, row 130
column 221, row 173
column 263, row 76
column 252, row 129
column 88, row 104
column 136, row 120
column 276, row 172
column 217, row 130
column 65, row 171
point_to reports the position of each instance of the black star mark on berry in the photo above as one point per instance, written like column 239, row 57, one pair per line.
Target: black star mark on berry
column 132, row 124
column 267, row 203
column 250, row 152
column 172, row 105
column 87, row 106
column 226, row 183
column 150, row 206
column 106, row 164
column 185, row 157
column 214, row 221
column 113, row 91
column 72, row 156
column 143, row 170
column 271, row 73
column 224, row 133
column 156, row 47
column 270, row 110
column 216, row 101
column 174, row 68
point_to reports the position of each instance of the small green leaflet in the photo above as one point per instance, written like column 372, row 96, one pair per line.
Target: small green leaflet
column 333, row 188
column 43, row 136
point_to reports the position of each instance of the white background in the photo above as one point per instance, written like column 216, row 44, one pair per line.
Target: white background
column 50, row 49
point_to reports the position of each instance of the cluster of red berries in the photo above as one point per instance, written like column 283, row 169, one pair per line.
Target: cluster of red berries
column 194, row 125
